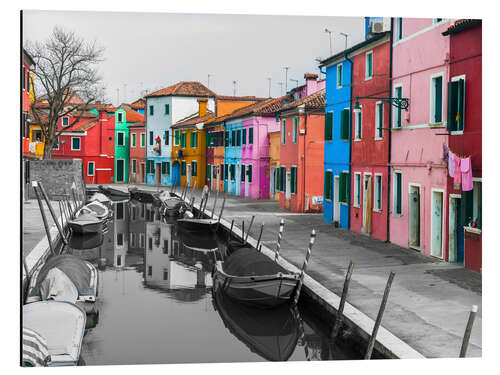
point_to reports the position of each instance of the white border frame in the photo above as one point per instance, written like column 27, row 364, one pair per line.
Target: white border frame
column 116, row 170
column 395, row 109
column 360, row 113
column 367, row 78
column 341, row 65
column 333, row 176
column 122, row 132
column 419, row 186
column 93, row 168
column 79, row 144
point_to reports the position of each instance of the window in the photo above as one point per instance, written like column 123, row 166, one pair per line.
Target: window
column 150, row 270
column 75, row 143
column 249, row 172
column 143, row 139
column 377, row 203
column 119, row 239
column 134, row 139
column 233, row 138
column 176, row 137
column 283, row 132
column 399, row 29
column 358, row 120
column 398, row 93
column 328, row 185
column 242, row 172
column 119, row 211
column 437, row 99
column 151, row 110
column 329, row 126
column 167, row 109
column 194, row 168
column 183, row 168
column 231, row 172
column 344, row 124
column 282, row 178
column 165, row 274
column 295, row 130
column 150, row 166
column 379, row 120
column 208, row 171
column 120, row 116
column 165, row 246
column 133, row 240
column 150, row 138
column 120, row 138
column 369, row 65
column 357, row 190
column 90, row 168
column 142, row 238
column 163, row 167
column 65, row 121
column 343, row 187
column 150, row 243
column 166, row 137
column 238, row 138
column 56, row 144
column 118, row 260
column 134, row 166
column 24, row 78
column 244, row 137
column 226, row 167
column 183, row 140
column 339, row 75
column 226, row 139
column 193, row 140
column 293, row 180
column 397, row 209
column 456, row 104
column 250, row 136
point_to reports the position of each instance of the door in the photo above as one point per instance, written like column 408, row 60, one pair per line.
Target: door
column 230, row 179
column 176, row 174
column 271, row 182
column 188, row 174
column 437, row 224
column 120, row 170
column 367, row 204
column 158, row 173
column 456, row 232
column 414, row 217
column 246, row 182
column 218, row 177
column 336, row 202
column 288, row 185
column 238, row 179
column 143, row 175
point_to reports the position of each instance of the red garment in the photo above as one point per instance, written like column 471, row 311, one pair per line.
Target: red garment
column 466, row 172
column 457, row 178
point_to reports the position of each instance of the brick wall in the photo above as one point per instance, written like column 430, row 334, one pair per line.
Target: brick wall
column 56, row 176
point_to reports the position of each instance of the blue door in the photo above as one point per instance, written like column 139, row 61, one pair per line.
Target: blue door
column 176, row 174
column 460, row 233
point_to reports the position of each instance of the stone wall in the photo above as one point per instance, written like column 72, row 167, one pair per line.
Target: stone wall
column 56, row 175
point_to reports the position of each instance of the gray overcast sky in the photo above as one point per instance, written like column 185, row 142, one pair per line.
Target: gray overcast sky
column 159, row 49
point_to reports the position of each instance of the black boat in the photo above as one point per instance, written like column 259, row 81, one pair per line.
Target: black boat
column 85, row 241
column 141, row 195
column 86, row 223
column 173, row 207
column 273, row 334
column 194, row 225
column 115, row 192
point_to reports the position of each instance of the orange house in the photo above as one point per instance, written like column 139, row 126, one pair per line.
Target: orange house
column 274, row 163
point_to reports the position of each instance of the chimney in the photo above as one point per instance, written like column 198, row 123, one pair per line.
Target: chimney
column 202, row 106
column 311, row 83
column 102, row 140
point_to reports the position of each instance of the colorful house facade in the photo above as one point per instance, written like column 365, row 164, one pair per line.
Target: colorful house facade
column 300, row 179
column 464, row 122
column 274, row 163
column 137, row 153
column 164, row 108
column 419, row 181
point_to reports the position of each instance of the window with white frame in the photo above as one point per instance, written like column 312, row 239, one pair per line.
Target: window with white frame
column 339, row 75
column 119, row 239
column 90, row 168
column 397, row 208
column 295, row 129
column 358, row 118
column 377, row 203
column 134, row 139
column 436, row 111
column 143, row 139
column 283, row 132
column 134, row 166
column 399, row 29
column 75, row 143
column 379, row 120
column 65, row 121
column 120, row 138
column 357, row 189
column 398, row 118
column 120, row 116
column 142, row 239
column 369, row 65
column 176, row 137
column 133, row 239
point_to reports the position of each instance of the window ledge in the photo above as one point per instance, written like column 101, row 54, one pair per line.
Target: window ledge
column 343, row 203
column 356, row 140
column 397, row 215
column 368, row 78
column 377, row 210
column 397, row 128
column 472, row 230
column 457, row 132
column 378, row 139
column 356, row 205
column 435, row 124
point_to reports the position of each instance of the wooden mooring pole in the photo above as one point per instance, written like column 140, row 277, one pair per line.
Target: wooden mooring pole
column 468, row 330
column 340, row 312
column 373, row 337
column 278, row 244
column 249, row 227
column 221, row 211
column 34, row 184
column 304, row 267
column 54, row 217
column 215, row 203
column 242, row 231
column 260, row 235
column 230, row 235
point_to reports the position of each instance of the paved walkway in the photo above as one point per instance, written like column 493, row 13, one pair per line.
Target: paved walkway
column 429, row 302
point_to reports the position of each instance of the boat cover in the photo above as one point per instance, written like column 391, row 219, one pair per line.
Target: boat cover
column 250, row 262
column 58, row 287
column 86, row 219
column 100, row 197
column 35, row 350
column 98, row 208
column 75, row 269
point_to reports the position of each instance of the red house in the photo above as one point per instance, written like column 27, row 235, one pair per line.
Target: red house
column 91, row 140
column 464, row 124
column 370, row 139
column 137, row 154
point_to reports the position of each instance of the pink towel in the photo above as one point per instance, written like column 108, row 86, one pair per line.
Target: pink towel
column 457, row 178
column 451, row 164
column 466, row 169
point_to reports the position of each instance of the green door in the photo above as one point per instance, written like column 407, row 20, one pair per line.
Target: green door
column 120, row 169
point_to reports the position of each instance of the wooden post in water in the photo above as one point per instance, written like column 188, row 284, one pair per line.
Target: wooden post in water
column 215, row 202
column 340, row 311
column 192, row 190
column 260, row 235
column 278, row 244
column 304, row 267
column 54, row 217
column 230, row 235
column 468, row 330
column 221, row 211
column 249, row 227
column 242, row 231
column 34, row 184
column 373, row 337
column 260, row 248
column 205, row 203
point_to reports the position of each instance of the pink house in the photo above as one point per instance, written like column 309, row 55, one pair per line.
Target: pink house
column 419, row 206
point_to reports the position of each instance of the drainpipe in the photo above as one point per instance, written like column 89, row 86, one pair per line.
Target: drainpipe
column 390, row 135
column 350, row 146
column 302, row 111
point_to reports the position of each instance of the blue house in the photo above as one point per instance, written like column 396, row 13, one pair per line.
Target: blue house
column 232, row 157
column 337, row 140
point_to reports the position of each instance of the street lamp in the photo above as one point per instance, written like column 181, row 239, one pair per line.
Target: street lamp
column 401, row 103
column 345, row 35
column 329, row 32
column 296, row 82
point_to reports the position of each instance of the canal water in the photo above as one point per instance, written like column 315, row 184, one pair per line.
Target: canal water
column 156, row 304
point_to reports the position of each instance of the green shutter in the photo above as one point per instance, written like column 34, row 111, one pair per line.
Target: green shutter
column 249, row 173
column 328, row 126
column 466, row 207
column 461, row 104
column 399, row 193
column 167, row 109
column 176, row 137
column 209, row 170
column 341, row 187
column 452, row 109
column 163, row 167
column 244, row 137
column 328, row 185
column 250, row 136
column 344, row 124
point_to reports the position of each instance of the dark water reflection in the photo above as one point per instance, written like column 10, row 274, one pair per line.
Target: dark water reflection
column 156, row 303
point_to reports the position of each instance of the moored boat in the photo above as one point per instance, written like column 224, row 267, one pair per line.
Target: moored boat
column 62, row 325
column 251, row 277
column 86, row 223
column 115, row 191
column 142, row 195
column 95, row 208
column 173, row 207
column 85, row 241
column 194, row 225
column 100, row 197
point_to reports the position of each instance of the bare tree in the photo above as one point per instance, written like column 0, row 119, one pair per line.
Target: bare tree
column 66, row 69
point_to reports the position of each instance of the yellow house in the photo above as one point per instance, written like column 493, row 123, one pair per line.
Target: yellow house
column 189, row 147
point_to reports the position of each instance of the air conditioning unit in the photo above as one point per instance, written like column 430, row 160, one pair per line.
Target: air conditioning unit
column 377, row 27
